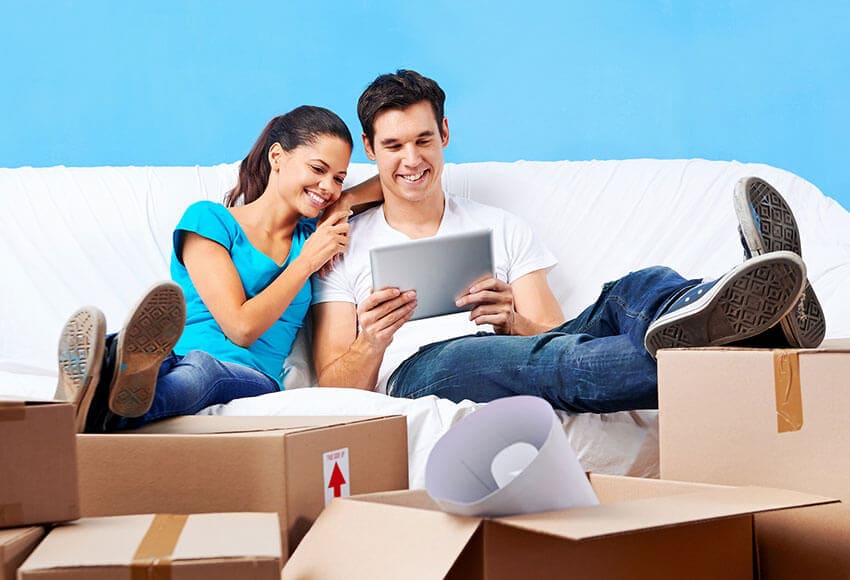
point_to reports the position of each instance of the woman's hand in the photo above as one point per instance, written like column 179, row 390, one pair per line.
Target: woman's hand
column 493, row 303
column 329, row 239
column 342, row 204
column 357, row 198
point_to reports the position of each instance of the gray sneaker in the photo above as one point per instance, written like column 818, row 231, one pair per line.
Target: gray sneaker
column 80, row 357
column 745, row 302
column 151, row 331
column 768, row 225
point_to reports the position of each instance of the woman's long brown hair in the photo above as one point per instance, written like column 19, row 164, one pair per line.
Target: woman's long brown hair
column 301, row 126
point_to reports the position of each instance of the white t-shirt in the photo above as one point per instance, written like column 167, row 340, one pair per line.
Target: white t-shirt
column 516, row 251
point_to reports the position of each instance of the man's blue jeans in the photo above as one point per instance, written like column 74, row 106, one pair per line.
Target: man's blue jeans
column 594, row 363
column 187, row 384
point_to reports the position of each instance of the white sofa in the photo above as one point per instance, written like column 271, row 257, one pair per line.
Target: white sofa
column 74, row 236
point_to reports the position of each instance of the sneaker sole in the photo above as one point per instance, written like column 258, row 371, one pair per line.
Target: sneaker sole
column 80, row 356
column 776, row 230
column 149, row 335
column 754, row 297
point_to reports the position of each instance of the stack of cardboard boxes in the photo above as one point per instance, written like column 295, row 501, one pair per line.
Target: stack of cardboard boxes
column 213, row 497
column 767, row 417
column 728, row 418
column 38, row 476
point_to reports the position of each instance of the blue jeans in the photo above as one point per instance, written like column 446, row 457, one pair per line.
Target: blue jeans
column 187, row 384
column 594, row 363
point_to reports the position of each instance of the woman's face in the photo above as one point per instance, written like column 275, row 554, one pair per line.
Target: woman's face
column 309, row 177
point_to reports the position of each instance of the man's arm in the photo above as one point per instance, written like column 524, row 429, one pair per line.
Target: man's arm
column 346, row 358
column 357, row 198
column 535, row 304
column 364, row 195
column 525, row 307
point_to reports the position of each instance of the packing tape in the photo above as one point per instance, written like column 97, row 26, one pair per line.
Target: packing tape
column 11, row 515
column 789, row 397
column 152, row 560
column 13, row 411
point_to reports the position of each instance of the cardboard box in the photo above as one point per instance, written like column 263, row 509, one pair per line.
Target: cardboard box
column 38, row 463
column 15, row 545
column 198, row 464
column 178, row 547
column 642, row 529
column 778, row 418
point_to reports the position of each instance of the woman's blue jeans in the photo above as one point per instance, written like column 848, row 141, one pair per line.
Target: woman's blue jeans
column 186, row 384
column 594, row 363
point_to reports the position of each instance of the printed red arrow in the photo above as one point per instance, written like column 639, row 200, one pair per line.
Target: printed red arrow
column 337, row 480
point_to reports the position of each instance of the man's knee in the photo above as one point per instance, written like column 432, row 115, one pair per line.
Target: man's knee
column 654, row 273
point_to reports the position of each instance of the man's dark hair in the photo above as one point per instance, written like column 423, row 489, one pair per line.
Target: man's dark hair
column 398, row 91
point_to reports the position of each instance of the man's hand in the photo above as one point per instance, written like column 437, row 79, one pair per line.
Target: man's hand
column 492, row 303
column 383, row 313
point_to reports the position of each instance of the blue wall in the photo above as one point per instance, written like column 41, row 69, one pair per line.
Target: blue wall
column 162, row 82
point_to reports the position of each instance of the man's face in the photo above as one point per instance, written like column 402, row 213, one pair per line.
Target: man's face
column 408, row 149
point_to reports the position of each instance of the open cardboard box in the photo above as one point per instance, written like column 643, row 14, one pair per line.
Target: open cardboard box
column 766, row 417
column 201, row 464
column 178, row 547
column 642, row 529
column 38, row 463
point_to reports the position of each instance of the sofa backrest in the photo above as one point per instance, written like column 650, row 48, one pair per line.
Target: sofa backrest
column 75, row 236
column 603, row 219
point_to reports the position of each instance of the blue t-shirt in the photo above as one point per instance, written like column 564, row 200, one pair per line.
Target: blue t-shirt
column 215, row 222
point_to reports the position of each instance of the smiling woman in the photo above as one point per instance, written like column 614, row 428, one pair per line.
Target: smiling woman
column 241, row 281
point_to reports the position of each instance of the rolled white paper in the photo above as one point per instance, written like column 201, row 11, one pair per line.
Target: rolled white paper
column 509, row 457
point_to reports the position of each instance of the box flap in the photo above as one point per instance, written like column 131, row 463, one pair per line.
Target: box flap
column 137, row 539
column 368, row 540
column 13, row 535
column 414, row 498
column 13, row 410
column 14, row 541
column 617, row 488
column 657, row 512
column 200, row 424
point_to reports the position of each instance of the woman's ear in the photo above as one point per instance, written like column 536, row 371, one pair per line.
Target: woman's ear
column 275, row 154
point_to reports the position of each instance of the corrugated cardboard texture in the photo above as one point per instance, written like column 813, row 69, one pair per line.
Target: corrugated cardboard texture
column 160, row 547
column 15, row 545
column 718, row 423
column 197, row 424
column 613, row 488
column 224, row 469
column 708, row 550
column 361, row 539
column 808, row 543
column 38, row 464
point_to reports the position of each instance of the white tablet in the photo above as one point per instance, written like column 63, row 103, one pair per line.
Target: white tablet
column 440, row 269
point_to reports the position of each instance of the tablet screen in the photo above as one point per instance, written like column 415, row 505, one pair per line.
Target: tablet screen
column 440, row 269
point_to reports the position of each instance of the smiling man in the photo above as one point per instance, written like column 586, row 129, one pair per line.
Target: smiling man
column 514, row 339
